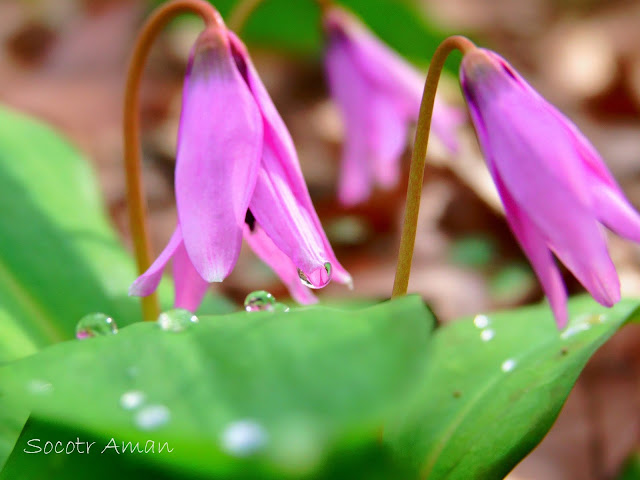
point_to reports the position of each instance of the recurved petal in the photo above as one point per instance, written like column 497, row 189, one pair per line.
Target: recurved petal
column 267, row 251
column 287, row 222
column 559, row 207
column 352, row 94
column 387, row 138
column 374, row 60
column 147, row 283
column 282, row 181
column 536, row 250
column 190, row 288
column 219, row 148
column 614, row 211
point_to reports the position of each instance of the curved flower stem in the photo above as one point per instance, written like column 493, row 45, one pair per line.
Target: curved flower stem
column 132, row 150
column 418, row 158
column 244, row 9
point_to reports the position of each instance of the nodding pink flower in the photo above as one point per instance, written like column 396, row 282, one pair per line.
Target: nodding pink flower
column 236, row 165
column 557, row 192
column 379, row 96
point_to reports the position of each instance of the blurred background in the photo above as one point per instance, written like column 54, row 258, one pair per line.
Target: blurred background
column 64, row 61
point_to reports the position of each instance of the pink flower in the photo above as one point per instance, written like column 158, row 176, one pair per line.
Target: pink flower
column 379, row 96
column 556, row 190
column 236, row 165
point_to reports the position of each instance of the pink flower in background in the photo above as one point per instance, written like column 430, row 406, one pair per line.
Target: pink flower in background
column 379, row 96
column 236, row 161
column 556, row 190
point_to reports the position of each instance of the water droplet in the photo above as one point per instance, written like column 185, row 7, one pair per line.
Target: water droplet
column 132, row 399
column 176, row 320
column 307, row 283
column 152, row 417
column 481, row 321
column 582, row 325
column 39, row 387
column 296, row 447
column 243, row 438
column 95, row 325
column 487, row 334
column 508, row 365
column 280, row 307
column 259, row 301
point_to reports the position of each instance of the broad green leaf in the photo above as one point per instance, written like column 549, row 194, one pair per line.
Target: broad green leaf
column 494, row 385
column 59, row 257
column 317, row 382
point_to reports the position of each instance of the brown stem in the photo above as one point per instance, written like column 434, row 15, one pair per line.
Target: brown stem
column 418, row 158
column 132, row 150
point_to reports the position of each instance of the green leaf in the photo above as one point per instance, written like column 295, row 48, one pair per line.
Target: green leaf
column 59, row 256
column 318, row 382
column 631, row 468
column 494, row 385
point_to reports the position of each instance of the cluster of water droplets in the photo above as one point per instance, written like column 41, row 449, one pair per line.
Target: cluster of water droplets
column 263, row 301
column 146, row 416
column 95, row 325
column 482, row 322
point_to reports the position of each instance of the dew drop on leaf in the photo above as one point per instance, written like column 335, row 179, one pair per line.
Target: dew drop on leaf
column 39, row 387
column 487, row 334
column 280, row 307
column 95, row 325
column 176, row 320
column 260, row 301
column 151, row 417
column 481, row 321
column 508, row 365
column 132, row 399
column 243, row 438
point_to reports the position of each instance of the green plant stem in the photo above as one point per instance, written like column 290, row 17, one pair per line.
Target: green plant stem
column 418, row 158
column 132, row 151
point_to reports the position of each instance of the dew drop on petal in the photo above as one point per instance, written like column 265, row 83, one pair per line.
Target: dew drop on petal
column 151, row 417
column 176, row 320
column 307, row 283
column 95, row 325
column 508, row 365
column 303, row 278
column 481, row 321
column 132, row 399
column 487, row 334
column 243, row 438
column 260, row 301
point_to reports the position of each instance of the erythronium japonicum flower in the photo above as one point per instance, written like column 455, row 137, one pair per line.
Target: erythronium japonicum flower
column 237, row 173
column 378, row 94
column 556, row 190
